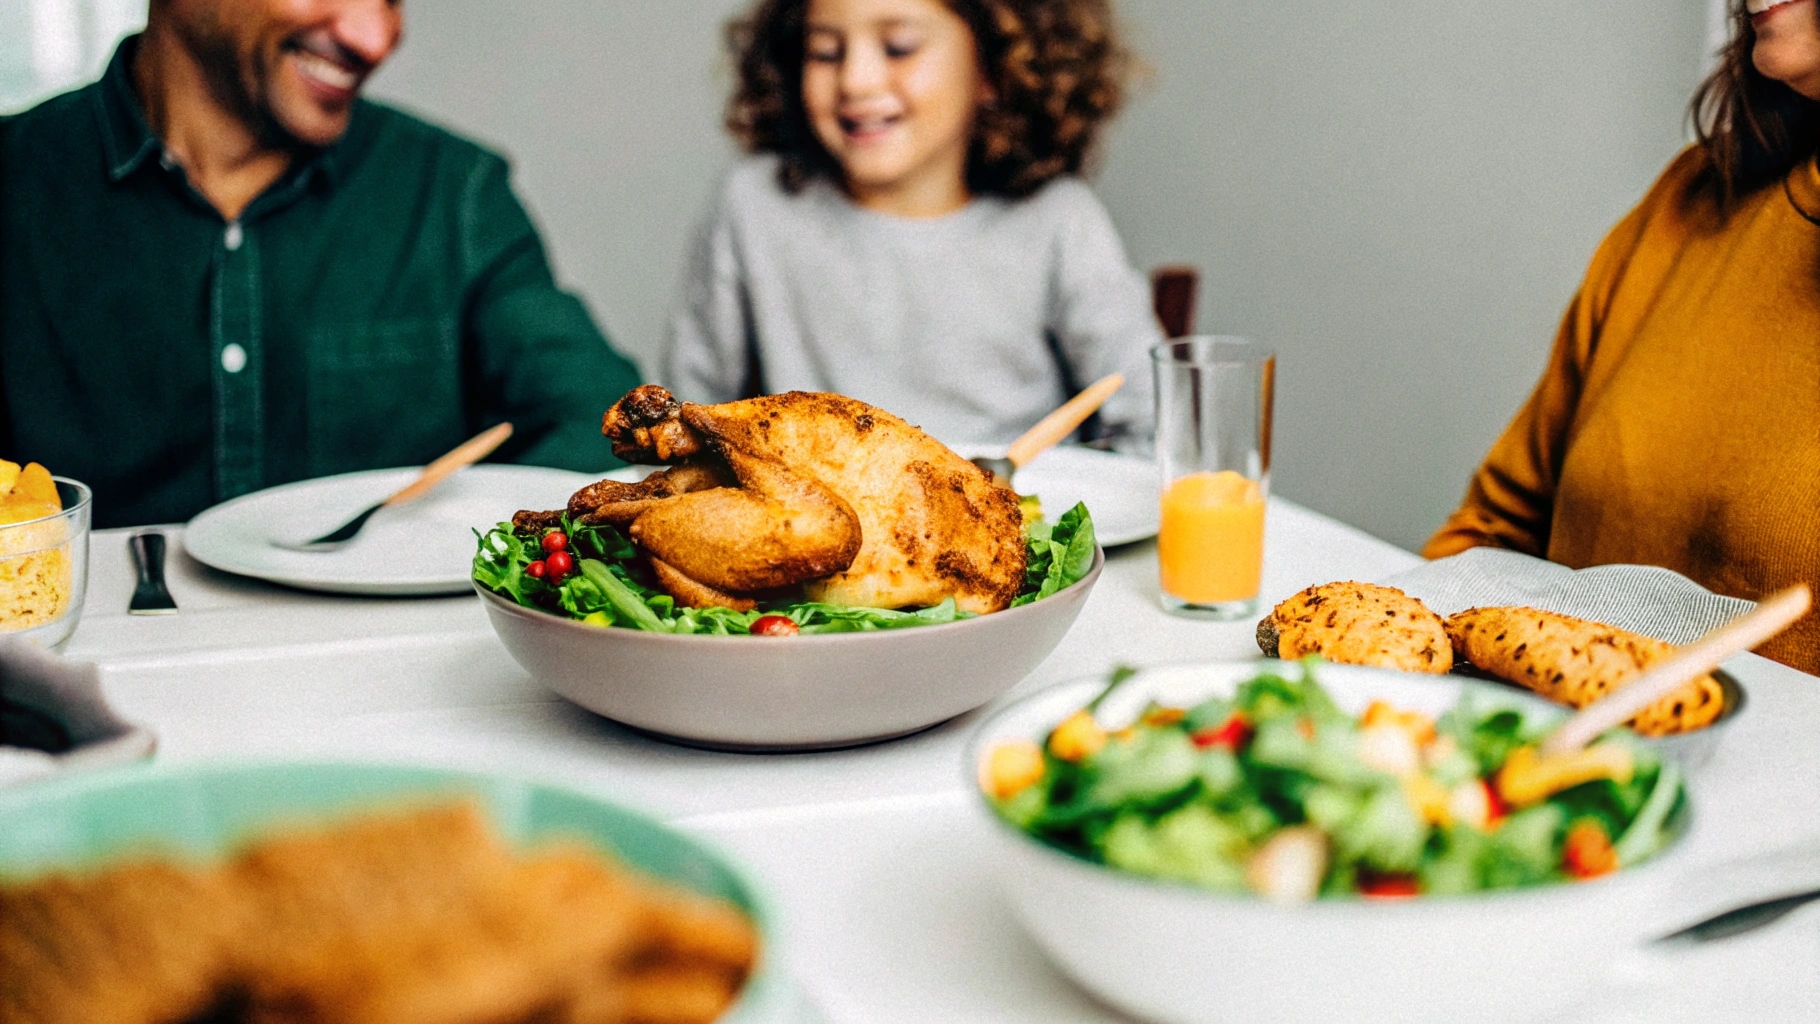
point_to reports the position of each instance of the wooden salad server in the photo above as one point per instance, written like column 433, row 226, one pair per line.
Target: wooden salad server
column 1051, row 429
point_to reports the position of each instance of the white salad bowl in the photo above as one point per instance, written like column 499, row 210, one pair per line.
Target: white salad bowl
column 1173, row 953
column 787, row 693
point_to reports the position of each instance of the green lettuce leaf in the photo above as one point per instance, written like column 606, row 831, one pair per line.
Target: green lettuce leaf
column 613, row 586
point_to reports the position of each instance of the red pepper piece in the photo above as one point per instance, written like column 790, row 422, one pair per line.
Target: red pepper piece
column 1587, row 852
column 1232, row 734
column 1389, row 887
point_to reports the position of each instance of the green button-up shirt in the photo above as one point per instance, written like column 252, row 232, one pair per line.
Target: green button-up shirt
column 383, row 300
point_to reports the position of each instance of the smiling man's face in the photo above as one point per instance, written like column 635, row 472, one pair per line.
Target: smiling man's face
column 292, row 68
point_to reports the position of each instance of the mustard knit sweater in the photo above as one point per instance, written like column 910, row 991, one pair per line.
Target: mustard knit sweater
column 1678, row 421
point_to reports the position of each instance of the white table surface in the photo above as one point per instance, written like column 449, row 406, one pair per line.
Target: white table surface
column 876, row 856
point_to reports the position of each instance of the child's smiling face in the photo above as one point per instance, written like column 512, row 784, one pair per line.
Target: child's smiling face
column 891, row 87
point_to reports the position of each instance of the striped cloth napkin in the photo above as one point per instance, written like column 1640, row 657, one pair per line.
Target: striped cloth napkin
column 1644, row 599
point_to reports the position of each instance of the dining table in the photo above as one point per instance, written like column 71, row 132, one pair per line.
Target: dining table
column 878, row 858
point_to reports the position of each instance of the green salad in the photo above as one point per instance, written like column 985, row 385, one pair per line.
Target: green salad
column 596, row 575
column 1277, row 792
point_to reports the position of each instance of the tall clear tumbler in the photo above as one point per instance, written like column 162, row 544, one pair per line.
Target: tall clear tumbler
column 1213, row 407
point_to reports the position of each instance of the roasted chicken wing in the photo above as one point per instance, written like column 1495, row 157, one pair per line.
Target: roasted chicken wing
column 846, row 500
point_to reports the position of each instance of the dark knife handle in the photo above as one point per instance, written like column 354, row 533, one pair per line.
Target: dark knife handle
column 148, row 556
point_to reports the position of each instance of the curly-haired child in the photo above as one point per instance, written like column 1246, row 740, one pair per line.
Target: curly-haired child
column 911, row 228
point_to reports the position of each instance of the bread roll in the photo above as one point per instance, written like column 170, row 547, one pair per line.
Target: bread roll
column 1575, row 662
column 1358, row 624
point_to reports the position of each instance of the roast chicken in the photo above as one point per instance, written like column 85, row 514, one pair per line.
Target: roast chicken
column 815, row 493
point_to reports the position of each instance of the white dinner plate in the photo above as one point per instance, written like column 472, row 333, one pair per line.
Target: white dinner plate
column 1120, row 490
column 424, row 547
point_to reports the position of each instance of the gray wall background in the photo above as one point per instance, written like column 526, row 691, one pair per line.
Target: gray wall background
column 1401, row 196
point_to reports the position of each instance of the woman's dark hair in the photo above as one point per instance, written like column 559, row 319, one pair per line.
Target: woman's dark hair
column 1056, row 69
column 1753, row 128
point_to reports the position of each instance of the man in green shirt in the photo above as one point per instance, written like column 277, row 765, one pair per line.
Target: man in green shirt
column 221, row 270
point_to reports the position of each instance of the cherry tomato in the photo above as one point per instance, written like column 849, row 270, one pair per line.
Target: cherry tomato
column 555, row 541
column 776, row 625
column 1232, row 734
column 1388, row 887
column 559, row 564
column 536, row 570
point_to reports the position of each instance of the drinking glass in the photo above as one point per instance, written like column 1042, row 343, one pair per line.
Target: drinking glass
column 1213, row 406
column 44, row 569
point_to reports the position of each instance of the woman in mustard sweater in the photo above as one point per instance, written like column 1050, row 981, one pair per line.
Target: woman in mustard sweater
column 1678, row 421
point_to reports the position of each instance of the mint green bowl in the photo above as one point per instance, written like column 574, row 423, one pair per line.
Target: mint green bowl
column 205, row 810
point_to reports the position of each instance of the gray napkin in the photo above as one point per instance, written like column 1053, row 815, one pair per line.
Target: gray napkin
column 1644, row 599
column 54, row 719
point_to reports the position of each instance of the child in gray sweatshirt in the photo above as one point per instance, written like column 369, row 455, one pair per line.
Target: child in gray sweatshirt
column 911, row 229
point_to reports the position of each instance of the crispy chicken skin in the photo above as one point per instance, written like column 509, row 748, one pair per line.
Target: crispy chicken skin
column 853, row 503
column 1358, row 624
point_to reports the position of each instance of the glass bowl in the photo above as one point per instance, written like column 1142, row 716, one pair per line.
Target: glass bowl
column 44, row 570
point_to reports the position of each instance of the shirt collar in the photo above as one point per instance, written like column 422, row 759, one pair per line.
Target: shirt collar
column 129, row 142
column 126, row 139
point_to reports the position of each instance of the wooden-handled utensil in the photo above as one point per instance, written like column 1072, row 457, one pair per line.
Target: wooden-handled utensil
column 466, row 454
column 1775, row 614
column 1051, row 429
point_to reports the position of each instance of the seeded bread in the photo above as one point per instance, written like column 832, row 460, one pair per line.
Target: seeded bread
column 1575, row 662
column 1358, row 624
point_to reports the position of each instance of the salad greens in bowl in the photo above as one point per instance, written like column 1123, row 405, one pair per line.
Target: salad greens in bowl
column 602, row 581
column 789, row 675
column 1278, row 841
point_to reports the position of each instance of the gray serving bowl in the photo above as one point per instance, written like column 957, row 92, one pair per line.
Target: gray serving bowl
column 787, row 693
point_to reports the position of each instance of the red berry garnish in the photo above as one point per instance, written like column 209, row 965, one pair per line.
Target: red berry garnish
column 559, row 564
column 776, row 625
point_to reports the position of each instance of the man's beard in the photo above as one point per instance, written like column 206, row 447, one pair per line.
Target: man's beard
column 239, row 84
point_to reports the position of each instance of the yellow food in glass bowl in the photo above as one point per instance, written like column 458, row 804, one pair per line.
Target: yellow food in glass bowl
column 36, row 570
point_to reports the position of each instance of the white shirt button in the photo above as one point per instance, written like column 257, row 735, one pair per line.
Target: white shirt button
column 233, row 237
column 233, row 358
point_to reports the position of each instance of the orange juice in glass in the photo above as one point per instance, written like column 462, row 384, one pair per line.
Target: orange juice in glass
column 1214, row 399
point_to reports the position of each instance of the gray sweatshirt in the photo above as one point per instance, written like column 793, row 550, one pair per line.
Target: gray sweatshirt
column 971, row 325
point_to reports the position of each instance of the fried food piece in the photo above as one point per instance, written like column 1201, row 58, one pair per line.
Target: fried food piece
column 425, row 918
column 854, row 504
column 1358, row 624
column 1575, row 662
column 694, row 958
column 510, row 946
column 139, row 944
column 414, row 917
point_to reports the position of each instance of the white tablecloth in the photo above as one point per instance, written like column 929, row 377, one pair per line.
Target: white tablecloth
column 875, row 856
